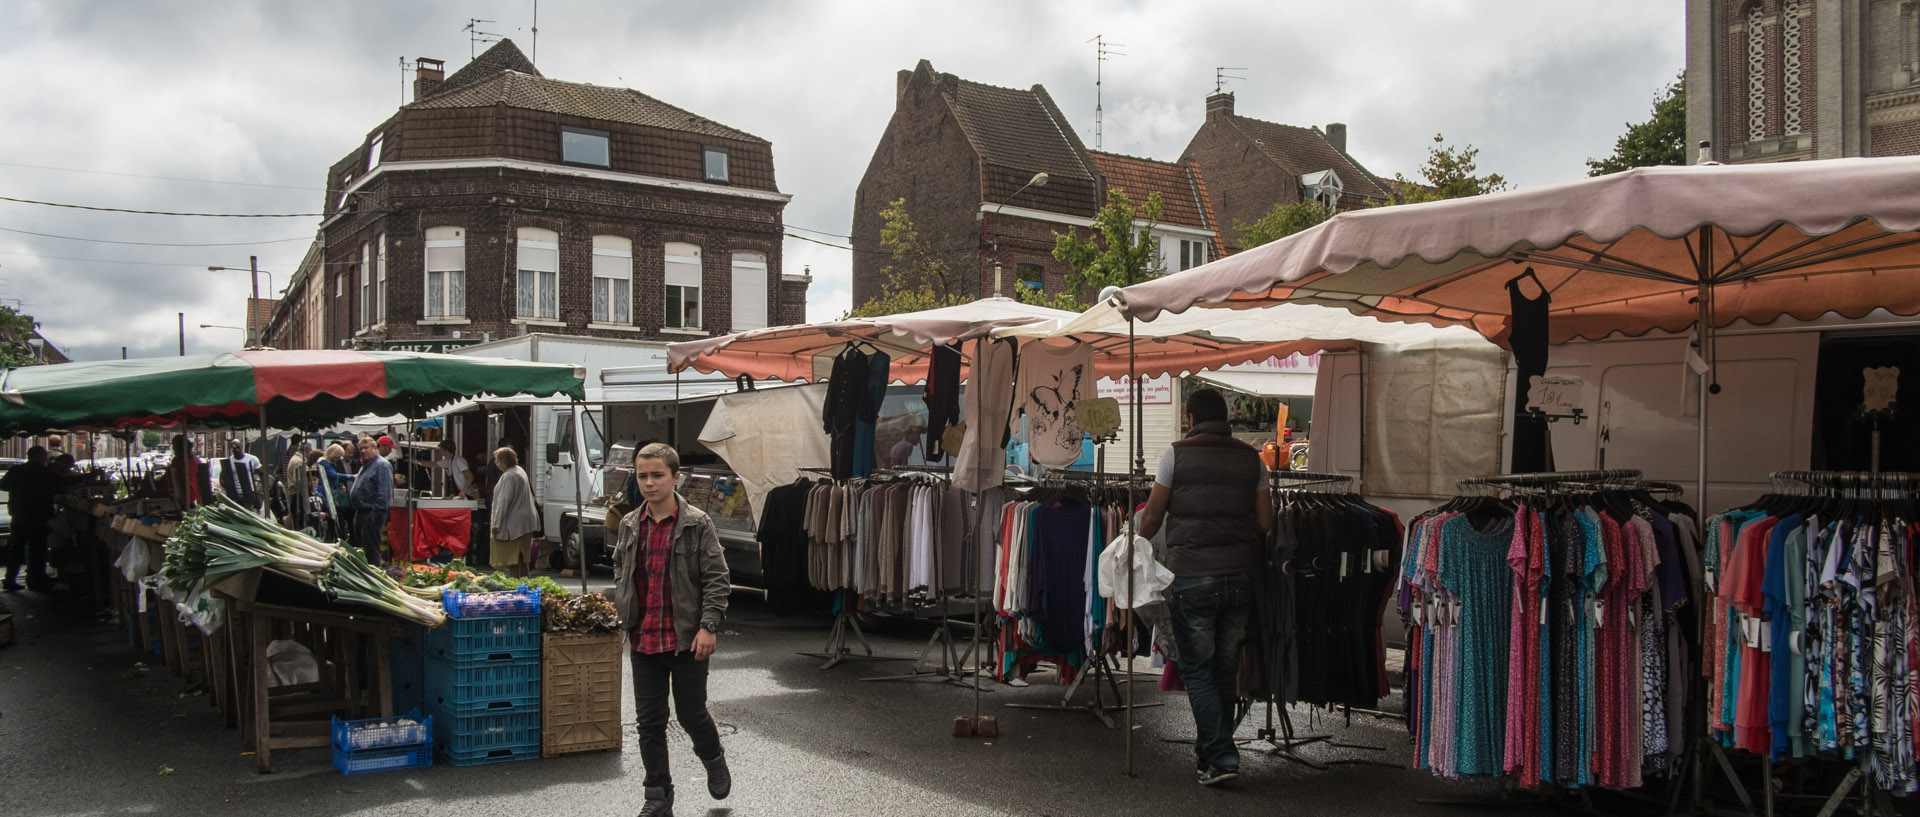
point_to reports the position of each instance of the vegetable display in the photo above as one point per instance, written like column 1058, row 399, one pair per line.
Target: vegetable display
column 590, row 613
column 223, row 539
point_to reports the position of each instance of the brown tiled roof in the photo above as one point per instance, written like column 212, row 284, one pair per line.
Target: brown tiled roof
column 1016, row 129
column 1206, row 208
column 1305, row 150
column 523, row 87
column 1177, row 185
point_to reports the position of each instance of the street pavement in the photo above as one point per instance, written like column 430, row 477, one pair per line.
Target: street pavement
column 88, row 728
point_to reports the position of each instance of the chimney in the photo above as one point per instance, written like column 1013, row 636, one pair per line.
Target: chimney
column 1337, row 136
column 428, row 73
column 1220, row 103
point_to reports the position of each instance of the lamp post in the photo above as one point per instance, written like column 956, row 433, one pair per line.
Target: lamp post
column 246, row 329
column 253, row 278
column 1038, row 180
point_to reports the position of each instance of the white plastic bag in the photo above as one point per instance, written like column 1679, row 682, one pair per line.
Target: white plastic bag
column 1149, row 577
column 290, row 663
column 133, row 559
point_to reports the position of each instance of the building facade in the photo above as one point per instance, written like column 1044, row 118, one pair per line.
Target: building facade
column 500, row 202
column 1785, row 80
column 963, row 157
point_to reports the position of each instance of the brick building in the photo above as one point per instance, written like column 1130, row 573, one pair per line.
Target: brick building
column 961, row 155
column 1255, row 165
column 1782, row 80
column 501, row 202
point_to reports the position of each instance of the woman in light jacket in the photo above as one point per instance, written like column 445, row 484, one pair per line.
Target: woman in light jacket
column 514, row 519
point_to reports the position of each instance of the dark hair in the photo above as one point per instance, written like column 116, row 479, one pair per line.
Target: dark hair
column 447, row 446
column 1206, row 406
column 662, row 452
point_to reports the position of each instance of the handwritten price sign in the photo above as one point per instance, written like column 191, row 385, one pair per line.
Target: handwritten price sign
column 1555, row 395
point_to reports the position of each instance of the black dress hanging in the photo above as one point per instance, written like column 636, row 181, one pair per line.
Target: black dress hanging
column 1527, row 335
column 943, row 398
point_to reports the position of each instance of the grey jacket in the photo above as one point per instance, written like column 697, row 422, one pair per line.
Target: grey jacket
column 512, row 505
column 696, row 568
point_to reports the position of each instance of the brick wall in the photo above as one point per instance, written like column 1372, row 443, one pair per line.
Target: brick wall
column 492, row 206
column 1023, row 241
column 925, row 159
column 1243, row 182
column 1894, row 139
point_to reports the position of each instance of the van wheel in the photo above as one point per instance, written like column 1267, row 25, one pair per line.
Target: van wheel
column 568, row 557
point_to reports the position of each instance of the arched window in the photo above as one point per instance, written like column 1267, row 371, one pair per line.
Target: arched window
column 612, row 279
column 537, row 290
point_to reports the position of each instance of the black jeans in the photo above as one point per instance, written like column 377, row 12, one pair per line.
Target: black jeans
column 367, row 523
column 652, row 676
column 29, row 545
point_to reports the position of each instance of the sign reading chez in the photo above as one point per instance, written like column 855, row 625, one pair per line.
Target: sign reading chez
column 429, row 346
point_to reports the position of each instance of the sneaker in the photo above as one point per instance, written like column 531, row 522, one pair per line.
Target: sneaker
column 659, row 804
column 1214, row 777
column 719, row 780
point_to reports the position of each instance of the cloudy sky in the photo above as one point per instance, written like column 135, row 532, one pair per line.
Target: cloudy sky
column 227, row 106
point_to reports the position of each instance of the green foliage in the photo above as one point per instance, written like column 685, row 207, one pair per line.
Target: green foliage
column 1448, row 173
column 1661, row 140
column 1116, row 254
column 917, row 279
column 15, row 329
column 150, row 439
column 1282, row 221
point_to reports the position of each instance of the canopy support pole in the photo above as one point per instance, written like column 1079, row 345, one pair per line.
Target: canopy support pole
column 579, row 487
column 1137, row 438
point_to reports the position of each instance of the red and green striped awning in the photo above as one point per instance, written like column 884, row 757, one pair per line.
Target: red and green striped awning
column 304, row 389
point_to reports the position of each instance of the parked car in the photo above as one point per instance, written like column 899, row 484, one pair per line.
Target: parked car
column 6, row 517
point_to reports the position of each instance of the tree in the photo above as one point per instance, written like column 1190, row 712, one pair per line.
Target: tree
column 1282, row 221
column 917, row 279
column 1661, row 140
column 1449, row 173
column 15, row 330
column 1116, row 254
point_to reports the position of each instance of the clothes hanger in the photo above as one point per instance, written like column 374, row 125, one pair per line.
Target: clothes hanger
column 1514, row 283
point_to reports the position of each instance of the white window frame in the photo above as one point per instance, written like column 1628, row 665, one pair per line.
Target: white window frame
column 725, row 176
column 750, row 284
column 683, row 278
column 537, row 272
column 373, row 151
column 380, row 280
column 366, row 285
column 612, row 279
column 451, row 265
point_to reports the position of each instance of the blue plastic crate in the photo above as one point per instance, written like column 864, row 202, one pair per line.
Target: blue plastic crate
column 381, row 760
column 476, row 739
column 521, row 602
column 497, row 638
column 475, row 687
column 407, row 672
column 392, row 732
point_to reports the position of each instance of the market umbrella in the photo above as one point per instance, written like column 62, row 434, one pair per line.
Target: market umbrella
column 297, row 389
column 1662, row 248
column 805, row 351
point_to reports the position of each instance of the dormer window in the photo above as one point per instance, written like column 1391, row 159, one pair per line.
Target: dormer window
column 373, row 151
column 717, row 165
column 582, row 146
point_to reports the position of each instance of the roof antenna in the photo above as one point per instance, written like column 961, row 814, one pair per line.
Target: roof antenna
column 404, row 68
column 475, row 36
column 535, row 59
column 1220, row 77
column 1102, row 50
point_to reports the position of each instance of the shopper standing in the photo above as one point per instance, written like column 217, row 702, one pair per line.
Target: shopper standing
column 371, row 498
column 240, row 475
column 457, row 470
column 512, row 517
column 1211, row 491
column 29, row 488
column 670, row 587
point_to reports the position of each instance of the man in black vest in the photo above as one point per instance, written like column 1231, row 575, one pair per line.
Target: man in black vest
column 1211, row 491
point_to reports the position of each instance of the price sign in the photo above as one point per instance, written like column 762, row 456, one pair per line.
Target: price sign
column 1882, row 385
column 1555, row 395
column 1099, row 416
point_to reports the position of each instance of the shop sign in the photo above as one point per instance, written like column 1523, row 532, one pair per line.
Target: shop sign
column 438, row 347
column 1154, row 391
column 1882, row 383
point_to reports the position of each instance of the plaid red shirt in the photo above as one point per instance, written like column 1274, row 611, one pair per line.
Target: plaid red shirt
column 655, row 633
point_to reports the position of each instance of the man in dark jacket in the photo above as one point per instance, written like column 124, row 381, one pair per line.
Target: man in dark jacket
column 1211, row 491
column 670, row 588
column 372, row 498
column 29, row 488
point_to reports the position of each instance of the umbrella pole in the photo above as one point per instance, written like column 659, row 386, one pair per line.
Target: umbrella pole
column 1136, row 438
column 974, row 510
column 579, row 489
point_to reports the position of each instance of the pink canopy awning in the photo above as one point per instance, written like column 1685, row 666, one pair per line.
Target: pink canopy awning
column 1626, row 253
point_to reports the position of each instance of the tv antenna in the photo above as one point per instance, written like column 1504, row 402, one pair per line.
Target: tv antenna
column 1103, row 50
column 535, row 59
column 475, row 36
column 404, row 68
column 1220, row 77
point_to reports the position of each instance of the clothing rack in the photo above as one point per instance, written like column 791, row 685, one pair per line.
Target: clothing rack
column 1101, row 667
column 1551, row 478
column 1907, row 482
column 1293, row 480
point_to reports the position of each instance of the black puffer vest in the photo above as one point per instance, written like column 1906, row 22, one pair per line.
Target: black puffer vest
column 1210, row 523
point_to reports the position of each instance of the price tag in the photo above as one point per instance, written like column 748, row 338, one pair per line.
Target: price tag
column 1882, row 385
column 1599, row 613
column 1556, row 395
column 1099, row 416
column 1343, row 566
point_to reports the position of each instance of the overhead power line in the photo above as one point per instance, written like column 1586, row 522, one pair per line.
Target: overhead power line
column 161, row 178
column 118, row 261
column 161, row 212
column 156, row 243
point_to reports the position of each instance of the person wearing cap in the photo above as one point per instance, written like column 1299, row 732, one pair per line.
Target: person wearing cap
column 386, row 446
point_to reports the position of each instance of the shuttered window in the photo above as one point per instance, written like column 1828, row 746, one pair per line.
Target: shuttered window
column 749, row 291
column 683, row 286
column 612, row 279
column 537, row 288
column 446, row 272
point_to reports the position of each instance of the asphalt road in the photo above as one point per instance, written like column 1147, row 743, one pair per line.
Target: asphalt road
column 86, row 728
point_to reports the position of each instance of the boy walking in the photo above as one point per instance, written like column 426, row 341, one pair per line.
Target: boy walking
column 670, row 587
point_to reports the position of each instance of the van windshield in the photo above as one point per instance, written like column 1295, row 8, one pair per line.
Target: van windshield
column 596, row 447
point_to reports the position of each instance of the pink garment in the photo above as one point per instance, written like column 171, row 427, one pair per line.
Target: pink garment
column 1515, row 759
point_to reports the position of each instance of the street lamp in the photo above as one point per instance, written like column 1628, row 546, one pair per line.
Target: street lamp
column 253, row 279
column 1038, row 180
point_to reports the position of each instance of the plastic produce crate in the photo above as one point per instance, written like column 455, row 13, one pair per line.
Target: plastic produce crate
column 467, row 688
column 473, row 740
column 382, row 744
column 496, row 638
column 580, row 693
column 521, row 602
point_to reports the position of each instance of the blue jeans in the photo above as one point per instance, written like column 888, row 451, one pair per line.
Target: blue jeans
column 1209, row 622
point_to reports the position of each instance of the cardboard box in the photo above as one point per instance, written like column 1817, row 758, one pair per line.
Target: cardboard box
column 580, row 693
